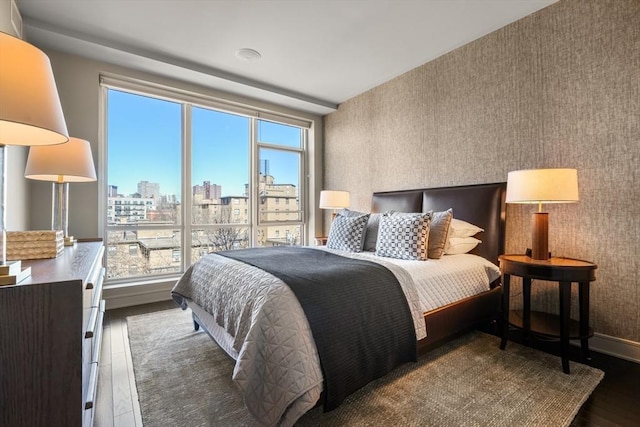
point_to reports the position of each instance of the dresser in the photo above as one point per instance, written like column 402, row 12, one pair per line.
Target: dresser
column 50, row 335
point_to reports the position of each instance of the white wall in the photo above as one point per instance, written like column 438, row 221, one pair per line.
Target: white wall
column 17, row 197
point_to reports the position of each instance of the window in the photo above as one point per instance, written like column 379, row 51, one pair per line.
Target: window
column 144, row 146
column 280, row 155
column 171, row 157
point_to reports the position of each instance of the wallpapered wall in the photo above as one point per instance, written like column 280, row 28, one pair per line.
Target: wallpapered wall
column 559, row 88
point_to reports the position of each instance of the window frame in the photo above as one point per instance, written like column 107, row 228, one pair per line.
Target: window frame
column 186, row 227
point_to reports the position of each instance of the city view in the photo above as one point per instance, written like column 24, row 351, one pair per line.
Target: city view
column 218, row 223
column 148, row 158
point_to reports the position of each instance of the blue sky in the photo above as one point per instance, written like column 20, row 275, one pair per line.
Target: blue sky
column 144, row 144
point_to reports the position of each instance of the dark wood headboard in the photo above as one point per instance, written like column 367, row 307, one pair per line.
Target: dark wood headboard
column 482, row 205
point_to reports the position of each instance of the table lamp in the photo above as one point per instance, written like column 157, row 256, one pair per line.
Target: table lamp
column 334, row 199
column 30, row 114
column 61, row 164
column 538, row 186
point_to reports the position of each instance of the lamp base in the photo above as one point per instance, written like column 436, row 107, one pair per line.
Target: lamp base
column 527, row 252
column 540, row 236
column 69, row 241
column 12, row 273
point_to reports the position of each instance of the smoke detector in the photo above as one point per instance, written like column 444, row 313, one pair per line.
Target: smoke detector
column 249, row 55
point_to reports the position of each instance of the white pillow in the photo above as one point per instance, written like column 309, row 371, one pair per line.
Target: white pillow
column 461, row 245
column 459, row 228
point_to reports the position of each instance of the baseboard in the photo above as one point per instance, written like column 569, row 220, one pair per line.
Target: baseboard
column 126, row 295
column 617, row 347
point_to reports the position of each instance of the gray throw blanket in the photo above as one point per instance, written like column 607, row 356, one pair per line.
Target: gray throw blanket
column 356, row 310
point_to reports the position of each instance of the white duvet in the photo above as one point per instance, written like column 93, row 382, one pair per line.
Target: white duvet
column 260, row 323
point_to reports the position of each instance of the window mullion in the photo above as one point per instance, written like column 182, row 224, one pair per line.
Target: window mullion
column 279, row 147
column 304, row 187
column 254, row 182
column 103, row 180
column 186, row 187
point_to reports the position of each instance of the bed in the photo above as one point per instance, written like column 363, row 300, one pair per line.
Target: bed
column 264, row 327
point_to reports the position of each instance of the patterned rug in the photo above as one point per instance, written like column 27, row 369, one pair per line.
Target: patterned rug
column 183, row 378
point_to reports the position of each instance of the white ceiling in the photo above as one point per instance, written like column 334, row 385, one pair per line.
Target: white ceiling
column 315, row 53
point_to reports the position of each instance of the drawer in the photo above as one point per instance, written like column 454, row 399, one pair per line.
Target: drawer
column 92, row 323
column 92, row 386
column 91, row 297
column 90, row 363
column 86, row 369
column 87, row 304
column 97, row 289
column 97, row 339
column 87, row 418
column 97, row 272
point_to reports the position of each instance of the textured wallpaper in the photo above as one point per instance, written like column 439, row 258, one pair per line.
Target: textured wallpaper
column 559, row 88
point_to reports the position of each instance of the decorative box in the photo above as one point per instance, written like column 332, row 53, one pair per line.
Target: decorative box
column 38, row 244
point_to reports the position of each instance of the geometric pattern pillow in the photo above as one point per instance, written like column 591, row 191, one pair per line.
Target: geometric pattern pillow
column 404, row 235
column 371, row 232
column 438, row 233
column 347, row 232
column 348, row 212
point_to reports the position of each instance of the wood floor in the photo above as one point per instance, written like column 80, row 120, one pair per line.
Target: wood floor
column 615, row 402
column 117, row 403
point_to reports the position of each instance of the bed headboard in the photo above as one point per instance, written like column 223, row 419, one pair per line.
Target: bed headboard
column 482, row 205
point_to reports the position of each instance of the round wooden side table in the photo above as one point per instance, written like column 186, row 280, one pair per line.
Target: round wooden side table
column 565, row 271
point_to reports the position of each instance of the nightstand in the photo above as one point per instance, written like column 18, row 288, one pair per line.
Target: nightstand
column 564, row 271
column 321, row 241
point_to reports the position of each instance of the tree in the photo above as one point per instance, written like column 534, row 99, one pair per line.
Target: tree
column 222, row 238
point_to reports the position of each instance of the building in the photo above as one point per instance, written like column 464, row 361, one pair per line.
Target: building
column 122, row 210
column 149, row 190
column 143, row 251
column 206, row 191
column 112, row 191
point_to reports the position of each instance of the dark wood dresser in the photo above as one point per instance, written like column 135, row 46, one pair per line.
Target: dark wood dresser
column 50, row 335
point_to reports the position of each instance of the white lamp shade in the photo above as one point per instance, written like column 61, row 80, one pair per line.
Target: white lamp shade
column 30, row 110
column 542, row 186
column 70, row 162
column 334, row 199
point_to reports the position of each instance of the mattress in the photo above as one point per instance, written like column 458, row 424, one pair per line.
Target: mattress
column 443, row 281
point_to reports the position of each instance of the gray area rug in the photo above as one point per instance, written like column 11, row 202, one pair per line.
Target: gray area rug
column 184, row 379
